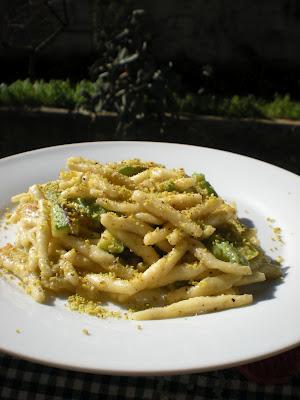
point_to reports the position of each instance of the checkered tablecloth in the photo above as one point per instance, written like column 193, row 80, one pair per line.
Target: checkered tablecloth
column 23, row 380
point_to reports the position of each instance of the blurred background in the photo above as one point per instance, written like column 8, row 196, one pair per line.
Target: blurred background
column 214, row 73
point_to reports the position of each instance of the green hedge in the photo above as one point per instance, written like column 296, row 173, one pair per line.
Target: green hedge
column 64, row 94
column 55, row 93
column 241, row 106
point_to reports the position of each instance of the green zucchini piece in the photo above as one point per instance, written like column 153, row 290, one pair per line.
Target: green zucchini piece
column 110, row 244
column 225, row 251
column 88, row 208
column 204, row 184
column 169, row 186
column 131, row 170
column 60, row 223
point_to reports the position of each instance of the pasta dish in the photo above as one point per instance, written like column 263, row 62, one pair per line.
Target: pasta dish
column 157, row 241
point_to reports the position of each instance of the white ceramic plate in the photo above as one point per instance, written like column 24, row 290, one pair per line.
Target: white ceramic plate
column 53, row 335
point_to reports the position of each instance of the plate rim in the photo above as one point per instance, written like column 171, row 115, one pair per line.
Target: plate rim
column 77, row 144
column 145, row 373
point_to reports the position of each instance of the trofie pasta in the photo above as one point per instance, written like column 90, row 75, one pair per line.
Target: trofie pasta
column 153, row 239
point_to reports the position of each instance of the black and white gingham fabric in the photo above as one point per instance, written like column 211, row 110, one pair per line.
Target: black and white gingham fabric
column 22, row 380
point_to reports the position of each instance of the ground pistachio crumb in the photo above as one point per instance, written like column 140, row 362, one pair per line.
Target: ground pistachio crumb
column 139, row 327
column 7, row 215
column 85, row 332
column 85, row 306
column 272, row 220
column 279, row 259
column 126, row 316
column 277, row 234
column 18, row 330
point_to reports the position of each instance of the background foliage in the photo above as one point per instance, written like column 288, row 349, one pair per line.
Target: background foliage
column 64, row 94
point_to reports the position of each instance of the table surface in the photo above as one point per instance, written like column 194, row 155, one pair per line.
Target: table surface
column 21, row 380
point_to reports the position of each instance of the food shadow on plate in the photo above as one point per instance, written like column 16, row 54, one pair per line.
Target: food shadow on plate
column 263, row 291
column 50, row 298
column 247, row 222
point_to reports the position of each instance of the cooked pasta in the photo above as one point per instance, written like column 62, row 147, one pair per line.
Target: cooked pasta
column 155, row 240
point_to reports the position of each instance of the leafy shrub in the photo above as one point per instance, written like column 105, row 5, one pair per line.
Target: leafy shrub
column 128, row 80
column 282, row 107
column 55, row 93
column 233, row 107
